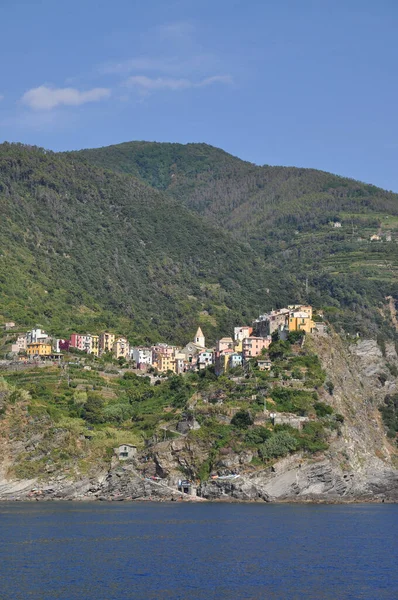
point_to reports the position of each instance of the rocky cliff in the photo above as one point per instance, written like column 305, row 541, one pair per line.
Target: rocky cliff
column 360, row 463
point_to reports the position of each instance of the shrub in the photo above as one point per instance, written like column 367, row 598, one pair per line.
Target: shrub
column 257, row 435
column 322, row 409
column 242, row 419
column 279, row 444
column 278, row 350
column 330, row 387
column 312, row 437
column 295, row 336
column 393, row 369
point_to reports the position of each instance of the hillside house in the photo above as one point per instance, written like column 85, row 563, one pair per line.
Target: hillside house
column 267, row 324
column 105, row 342
column 20, row 345
column 264, row 364
column 160, row 352
column 141, row 356
column 179, row 363
column 253, row 346
column 125, row 451
column 121, row 348
column 36, row 335
column 166, row 363
column 221, row 360
column 9, row 325
column 300, row 321
column 39, row 349
column 240, row 333
column 235, row 360
column 94, row 345
column 80, row 341
column 225, row 343
column 205, row 359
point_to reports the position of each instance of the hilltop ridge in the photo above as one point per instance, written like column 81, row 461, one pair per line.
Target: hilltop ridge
column 331, row 238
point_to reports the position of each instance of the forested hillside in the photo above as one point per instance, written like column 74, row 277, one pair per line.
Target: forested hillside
column 287, row 215
column 83, row 248
column 95, row 246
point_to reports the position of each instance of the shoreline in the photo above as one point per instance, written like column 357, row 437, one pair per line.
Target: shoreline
column 200, row 500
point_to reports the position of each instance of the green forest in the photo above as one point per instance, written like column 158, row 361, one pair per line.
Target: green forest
column 153, row 239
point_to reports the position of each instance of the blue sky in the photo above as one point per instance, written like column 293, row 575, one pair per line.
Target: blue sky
column 309, row 83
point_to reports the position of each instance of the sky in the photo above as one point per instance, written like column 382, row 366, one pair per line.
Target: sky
column 308, row 83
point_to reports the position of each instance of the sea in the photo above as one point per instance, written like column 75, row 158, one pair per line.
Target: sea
column 120, row 551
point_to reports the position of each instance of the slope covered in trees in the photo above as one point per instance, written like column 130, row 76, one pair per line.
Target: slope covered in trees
column 85, row 248
column 287, row 215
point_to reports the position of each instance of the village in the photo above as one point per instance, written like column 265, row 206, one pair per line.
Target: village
column 247, row 342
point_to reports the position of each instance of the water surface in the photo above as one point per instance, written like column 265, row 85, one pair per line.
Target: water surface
column 119, row 551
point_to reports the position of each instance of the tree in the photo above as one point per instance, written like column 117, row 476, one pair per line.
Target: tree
column 92, row 411
column 242, row 419
column 279, row 444
column 278, row 350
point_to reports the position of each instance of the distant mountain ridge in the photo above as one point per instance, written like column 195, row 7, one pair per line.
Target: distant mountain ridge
column 286, row 214
column 87, row 249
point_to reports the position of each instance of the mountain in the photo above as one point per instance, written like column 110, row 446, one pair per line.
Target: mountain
column 311, row 227
column 189, row 235
column 84, row 248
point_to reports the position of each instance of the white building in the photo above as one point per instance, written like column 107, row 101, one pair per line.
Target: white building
column 205, row 359
column 125, row 451
column 20, row 345
column 36, row 335
column 141, row 356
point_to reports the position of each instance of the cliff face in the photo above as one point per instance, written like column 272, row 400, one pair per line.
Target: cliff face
column 360, row 463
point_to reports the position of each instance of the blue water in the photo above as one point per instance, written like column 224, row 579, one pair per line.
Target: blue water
column 198, row 551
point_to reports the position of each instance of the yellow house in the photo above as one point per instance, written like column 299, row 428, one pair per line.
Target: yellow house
column 300, row 321
column 105, row 342
column 94, row 345
column 238, row 345
column 223, row 361
column 121, row 348
column 39, row 349
column 166, row 363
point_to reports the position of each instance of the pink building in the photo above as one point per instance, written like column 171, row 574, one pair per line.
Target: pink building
column 226, row 343
column 74, row 340
column 252, row 346
column 81, row 342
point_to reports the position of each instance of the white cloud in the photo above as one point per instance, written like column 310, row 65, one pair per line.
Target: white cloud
column 47, row 98
column 215, row 79
column 158, row 83
column 148, row 84
column 139, row 64
column 1, row 97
